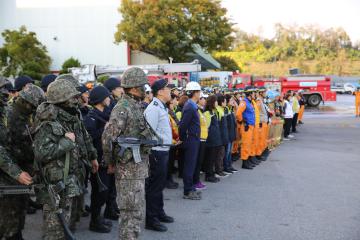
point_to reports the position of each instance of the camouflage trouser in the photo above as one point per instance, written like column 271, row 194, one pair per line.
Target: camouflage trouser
column 78, row 203
column 131, row 201
column 12, row 214
column 77, row 208
column 52, row 227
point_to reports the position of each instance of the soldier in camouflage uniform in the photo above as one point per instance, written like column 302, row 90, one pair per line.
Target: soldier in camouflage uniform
column 12, row 208
column 61, row 140
column 19, row 122
column 78, row 208
column 127, row 120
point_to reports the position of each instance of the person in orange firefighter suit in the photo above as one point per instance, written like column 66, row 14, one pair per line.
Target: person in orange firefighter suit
column 357, row 102
column 245, row 116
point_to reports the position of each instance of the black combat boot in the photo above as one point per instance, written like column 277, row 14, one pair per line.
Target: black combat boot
column 266, row 153
column 253, row 161
column 156, row 226
column 246, row 165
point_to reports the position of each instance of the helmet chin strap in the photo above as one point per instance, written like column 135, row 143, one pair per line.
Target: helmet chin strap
column 137, row 98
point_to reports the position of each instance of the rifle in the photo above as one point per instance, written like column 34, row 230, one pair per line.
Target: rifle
column 17, row 189
column 54, row 191
column 134, row 144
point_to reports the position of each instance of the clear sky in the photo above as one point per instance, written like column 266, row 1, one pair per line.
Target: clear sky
column 260, row 16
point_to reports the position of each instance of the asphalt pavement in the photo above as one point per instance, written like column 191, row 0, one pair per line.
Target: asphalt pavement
column 308, row 189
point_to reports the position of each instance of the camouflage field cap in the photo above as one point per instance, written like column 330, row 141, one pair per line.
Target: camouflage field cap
column 60, row 91
column 133, row 77
column 3, row 81
column 33, row 95
column 70, row 78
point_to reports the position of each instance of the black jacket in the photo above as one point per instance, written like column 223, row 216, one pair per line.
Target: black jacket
column 95, row 122
column 224, row 131
column 231, row 124
column 214, row 135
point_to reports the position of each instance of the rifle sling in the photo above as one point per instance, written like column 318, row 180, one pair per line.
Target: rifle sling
column 66, row 168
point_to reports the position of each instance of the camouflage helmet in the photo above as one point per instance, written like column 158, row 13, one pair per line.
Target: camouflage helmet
column 133, row 77
column 61, row 90
column 3, row 81
column 32, row 94
column 70, row 78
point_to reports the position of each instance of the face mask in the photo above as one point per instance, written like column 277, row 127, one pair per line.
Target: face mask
column 73, row 103
column 71, row 106
column 25, row 106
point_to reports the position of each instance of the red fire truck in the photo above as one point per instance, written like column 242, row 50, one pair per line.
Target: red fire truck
column 240, row 80
column 316, row 88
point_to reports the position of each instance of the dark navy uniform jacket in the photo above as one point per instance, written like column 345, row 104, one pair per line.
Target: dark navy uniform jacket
column 189, row 128
column 95, row 122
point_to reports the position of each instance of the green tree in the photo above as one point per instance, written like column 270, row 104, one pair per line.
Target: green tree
column 310, row 48
column 23, row 53
column 169, row 28
column 227, row 64
column 101, row 79
column 69, row 63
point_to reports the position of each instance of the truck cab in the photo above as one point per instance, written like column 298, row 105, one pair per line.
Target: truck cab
column 316, row 88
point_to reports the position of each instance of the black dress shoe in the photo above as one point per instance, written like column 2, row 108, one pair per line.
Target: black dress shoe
column 156, row 226
column 212, row 179
column 172, row 185
column 166, row 219
column 99, row 227
column 106, row 222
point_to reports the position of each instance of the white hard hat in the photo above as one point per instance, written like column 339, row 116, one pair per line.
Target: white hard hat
column 202, row 95
column 147, row 88
column 193, row 86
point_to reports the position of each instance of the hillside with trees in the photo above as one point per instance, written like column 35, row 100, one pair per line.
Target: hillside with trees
column 309, row 48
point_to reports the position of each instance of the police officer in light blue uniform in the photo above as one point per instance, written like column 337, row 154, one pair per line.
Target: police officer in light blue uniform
column 156, row 114
column 189, row 131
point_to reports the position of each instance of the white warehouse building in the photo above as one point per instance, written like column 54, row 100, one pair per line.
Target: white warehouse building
column 83, row 29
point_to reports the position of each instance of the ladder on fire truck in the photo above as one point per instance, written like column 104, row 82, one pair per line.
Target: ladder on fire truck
column 90, row 72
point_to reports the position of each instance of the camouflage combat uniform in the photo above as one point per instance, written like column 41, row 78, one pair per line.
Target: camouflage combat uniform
column 11, row 208
column 127, row 120
column 52, row 149
column 83, row 163
column 19, row 123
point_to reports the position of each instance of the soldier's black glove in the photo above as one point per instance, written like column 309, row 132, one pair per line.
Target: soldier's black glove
column 246, row 128
column 260, row 125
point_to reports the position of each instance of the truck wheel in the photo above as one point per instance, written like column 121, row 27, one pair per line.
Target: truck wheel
column 314, row 100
